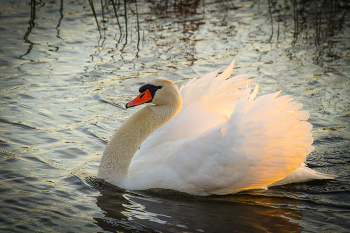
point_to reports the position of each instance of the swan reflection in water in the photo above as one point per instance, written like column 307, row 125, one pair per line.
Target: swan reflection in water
column 172, row 211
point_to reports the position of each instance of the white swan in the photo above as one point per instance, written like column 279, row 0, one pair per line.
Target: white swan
column 223, row 140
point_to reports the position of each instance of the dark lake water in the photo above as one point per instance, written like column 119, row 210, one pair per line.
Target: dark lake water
column 63, row 85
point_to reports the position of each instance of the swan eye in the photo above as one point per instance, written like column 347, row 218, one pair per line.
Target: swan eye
column 151, row 88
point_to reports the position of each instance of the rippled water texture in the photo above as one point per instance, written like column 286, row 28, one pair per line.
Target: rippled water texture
column 63, row 85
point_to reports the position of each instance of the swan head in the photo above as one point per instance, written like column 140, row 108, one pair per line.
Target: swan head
column 159, row 92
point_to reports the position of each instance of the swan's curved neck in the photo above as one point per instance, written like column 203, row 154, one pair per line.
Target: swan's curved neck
column 126, row 141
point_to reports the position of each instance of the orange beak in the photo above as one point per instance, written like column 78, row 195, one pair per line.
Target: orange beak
column 142, row 98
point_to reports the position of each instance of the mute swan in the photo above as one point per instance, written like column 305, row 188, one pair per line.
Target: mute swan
column 223, row 140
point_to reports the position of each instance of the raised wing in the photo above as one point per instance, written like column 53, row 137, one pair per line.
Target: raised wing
column 277, row 139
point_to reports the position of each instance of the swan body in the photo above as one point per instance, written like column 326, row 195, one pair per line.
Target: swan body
column 213, row 136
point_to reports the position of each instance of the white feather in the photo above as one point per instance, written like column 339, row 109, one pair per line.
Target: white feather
column 225, row 140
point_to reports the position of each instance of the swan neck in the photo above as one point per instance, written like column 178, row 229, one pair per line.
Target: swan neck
column 128, row 138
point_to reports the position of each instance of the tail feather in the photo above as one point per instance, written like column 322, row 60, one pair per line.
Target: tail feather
column 302, row 174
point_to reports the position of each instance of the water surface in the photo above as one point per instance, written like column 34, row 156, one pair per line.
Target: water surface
column 63, row 85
